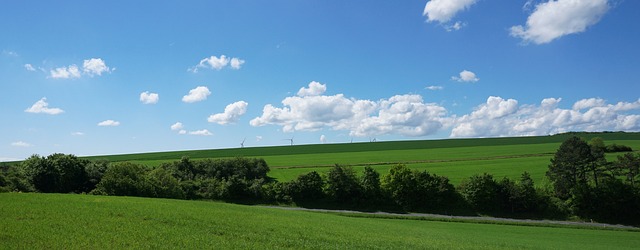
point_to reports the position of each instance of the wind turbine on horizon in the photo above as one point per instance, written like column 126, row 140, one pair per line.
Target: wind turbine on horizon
column 290, row 140
column 242, row 143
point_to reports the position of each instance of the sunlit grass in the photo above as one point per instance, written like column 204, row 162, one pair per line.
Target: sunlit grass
column 56, row 221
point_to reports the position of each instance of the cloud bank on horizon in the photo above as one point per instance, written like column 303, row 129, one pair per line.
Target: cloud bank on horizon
column 409, row 115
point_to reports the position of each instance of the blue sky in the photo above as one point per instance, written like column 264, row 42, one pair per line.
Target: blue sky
column 90, row 78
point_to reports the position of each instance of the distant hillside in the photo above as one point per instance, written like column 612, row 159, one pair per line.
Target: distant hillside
column 366, row 146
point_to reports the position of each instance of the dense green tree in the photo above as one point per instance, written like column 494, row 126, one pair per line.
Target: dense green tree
column 306, row 187
column 370, row 183
column 72, row 176
column 95, row 170
column 481, row 192
column 518, row 196
column 343, row 184
column 57, row 173
column 400, row 186
column 612, row 201
column 628, row 165
column 570, row 166
column 598, row 160
column 40, row 174
column 125, row 179
column 164, row 184
column 418, row 190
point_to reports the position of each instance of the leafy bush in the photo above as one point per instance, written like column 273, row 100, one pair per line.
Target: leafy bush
column 614, row 148
column 416, row 190
column 125, row 179
column 57, row 173
column 343, row 185
column 306, row 187
column 481, row 192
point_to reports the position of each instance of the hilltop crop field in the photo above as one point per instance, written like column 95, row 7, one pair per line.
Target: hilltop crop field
column 68, row 221
column 454, row 158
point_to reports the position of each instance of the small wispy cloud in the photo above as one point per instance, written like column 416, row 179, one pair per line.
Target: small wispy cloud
column 109, row 123
column 433, row 87
column 466, row 76
column 203, row 132
column 217, row 63
column 177, row 126
column 29, row 67
column 21, row 144
column 42, row 106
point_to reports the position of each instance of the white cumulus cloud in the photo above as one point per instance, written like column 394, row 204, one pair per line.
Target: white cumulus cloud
column 91, row 67
column 66, row 72
column 177, row 126
column 109, row 123
column 500, row 117
column 149, row 98
column 444, row 10
column 231, row 113
column 556, row 18
column 236, row 63
column 402, row 114
column 315, row 88
column 217, row 63
column 466, row 76
column 95, row 66
column 42, row 106
column 589, row 103
column 410, row 115
column 200, row 93
column 21, row 144
column 323, row 139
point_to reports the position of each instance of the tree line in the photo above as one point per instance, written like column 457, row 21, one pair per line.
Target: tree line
column 582, row 183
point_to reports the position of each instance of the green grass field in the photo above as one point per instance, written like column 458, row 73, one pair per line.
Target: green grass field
column 56, row 221
column 455, row 158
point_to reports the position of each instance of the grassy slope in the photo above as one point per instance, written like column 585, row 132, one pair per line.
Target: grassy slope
column 454, row 158
column 358, row 147
column 79, row 221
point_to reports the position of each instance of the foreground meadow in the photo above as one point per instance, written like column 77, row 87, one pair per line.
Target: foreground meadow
column 58, row 221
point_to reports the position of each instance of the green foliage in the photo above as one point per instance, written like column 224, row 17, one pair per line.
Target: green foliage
column 611, row 201
column 125, row 179
column 418, row 190
column 370, row 183
column 164, row 185
column 95, row 170
column 58, row 173
column 628, row 165
column 12, row 180
column 481, row 192
column 569, row 166
column 613, row 148
column 343, row 185
column 518, row 196
column 71, row 171
column 306, row 187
